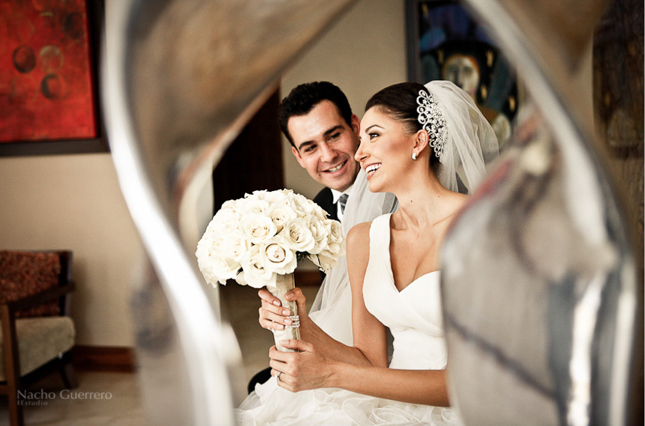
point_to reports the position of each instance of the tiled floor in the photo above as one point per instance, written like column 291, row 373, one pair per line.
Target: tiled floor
column 120, row 402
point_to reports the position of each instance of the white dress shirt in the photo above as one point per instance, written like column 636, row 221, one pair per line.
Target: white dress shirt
column 336, row 195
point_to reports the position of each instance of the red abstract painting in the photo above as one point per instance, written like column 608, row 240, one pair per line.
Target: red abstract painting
column 46, row 87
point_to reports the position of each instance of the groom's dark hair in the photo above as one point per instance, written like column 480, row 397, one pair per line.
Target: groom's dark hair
column 303, row 98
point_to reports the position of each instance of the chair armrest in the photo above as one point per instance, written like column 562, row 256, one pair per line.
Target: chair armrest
column 38, row 298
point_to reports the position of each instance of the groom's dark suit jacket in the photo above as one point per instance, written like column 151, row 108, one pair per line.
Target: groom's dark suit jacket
column 325, row 199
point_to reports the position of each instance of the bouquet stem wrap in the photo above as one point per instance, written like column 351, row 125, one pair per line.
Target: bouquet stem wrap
column 283, row 284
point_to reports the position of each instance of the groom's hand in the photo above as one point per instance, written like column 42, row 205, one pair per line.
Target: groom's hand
column 273, row 316
column 302, row 370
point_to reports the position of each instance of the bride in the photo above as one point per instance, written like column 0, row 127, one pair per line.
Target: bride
column 421, row 144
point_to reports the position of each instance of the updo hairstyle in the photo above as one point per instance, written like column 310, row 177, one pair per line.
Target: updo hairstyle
column 399, row 102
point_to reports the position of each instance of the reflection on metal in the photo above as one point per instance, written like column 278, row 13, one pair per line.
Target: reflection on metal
column 539, row 278
column 181, row 77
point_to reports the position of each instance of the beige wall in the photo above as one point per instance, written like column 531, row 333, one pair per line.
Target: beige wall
column 361, row 54
column 74, row 202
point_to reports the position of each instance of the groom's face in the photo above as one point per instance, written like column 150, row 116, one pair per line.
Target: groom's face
column 325, row 145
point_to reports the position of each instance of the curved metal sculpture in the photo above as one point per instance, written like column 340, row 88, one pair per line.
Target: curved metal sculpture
column 539, row 280
column 181, row 79
column 545, row 233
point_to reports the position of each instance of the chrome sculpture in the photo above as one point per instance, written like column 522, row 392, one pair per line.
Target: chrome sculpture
column 539, row 278
column 181, row 78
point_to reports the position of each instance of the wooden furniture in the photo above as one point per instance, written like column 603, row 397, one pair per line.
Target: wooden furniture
column 37, row 332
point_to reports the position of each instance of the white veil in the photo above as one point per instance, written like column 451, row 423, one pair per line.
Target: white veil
column 332, row 308
column 470, row 145
column 471, row 142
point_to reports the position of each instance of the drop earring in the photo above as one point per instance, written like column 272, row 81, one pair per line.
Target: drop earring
column 414, row 156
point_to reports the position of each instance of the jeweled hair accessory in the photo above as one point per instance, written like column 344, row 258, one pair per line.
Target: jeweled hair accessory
column 433, row 121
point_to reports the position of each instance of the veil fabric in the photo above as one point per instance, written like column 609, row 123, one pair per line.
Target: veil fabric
column 332, row 307
column 470, row 145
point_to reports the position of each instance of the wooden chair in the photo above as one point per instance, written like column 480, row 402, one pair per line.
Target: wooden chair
column 37, row 332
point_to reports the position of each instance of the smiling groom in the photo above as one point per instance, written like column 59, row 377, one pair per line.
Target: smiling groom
column 317, row 120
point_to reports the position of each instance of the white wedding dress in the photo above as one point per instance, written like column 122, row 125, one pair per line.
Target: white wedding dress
column 414, row 318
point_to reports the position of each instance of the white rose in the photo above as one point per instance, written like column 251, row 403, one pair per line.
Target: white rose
column 255, row 273
column 254, row 205
column 257, row 228
column 319, row 232
column 301, row 204
column 322, row 214
column 279, row 259
column 323, row 260
column 215, row 267
column 257, row 195
column 210, row 235
column 208, row 244
column 229, row 205
column 297, row 236
column 275, row 253
column 335, row 231
column 210, row 240
column 281, row 214
column 240, row 277
column 235, row 245
column 275, row 197
column 337, row 249
column 224, row 222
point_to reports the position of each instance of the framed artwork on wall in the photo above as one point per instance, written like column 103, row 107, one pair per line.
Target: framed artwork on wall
column 446, row 43
column 48, row 80
column 618, row 78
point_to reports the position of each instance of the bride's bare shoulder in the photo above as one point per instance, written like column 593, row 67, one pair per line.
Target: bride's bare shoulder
column 359, row 234
column 358, row 244
column 458, row 201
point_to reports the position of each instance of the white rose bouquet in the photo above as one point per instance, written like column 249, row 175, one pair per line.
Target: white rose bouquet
column 258, row 240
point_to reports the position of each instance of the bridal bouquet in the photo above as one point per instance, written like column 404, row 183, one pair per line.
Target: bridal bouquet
column 255, row 238
column 258, row 240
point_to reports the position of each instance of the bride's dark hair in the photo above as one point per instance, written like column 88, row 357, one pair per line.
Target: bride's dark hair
column 399, row 101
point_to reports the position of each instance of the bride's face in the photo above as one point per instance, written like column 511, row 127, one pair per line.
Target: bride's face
column 385, row 152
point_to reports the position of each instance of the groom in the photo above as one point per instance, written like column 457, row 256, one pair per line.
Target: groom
column 318, row 121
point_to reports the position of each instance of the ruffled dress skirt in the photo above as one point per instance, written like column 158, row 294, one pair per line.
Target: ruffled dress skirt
column 272, row 405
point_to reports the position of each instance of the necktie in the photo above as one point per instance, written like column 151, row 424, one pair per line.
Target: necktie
column 342, row 201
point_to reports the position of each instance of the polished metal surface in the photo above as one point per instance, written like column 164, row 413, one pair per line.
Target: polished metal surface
column 180, row 79
column 539, row 279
